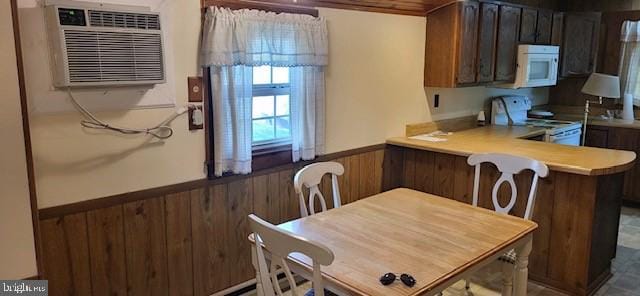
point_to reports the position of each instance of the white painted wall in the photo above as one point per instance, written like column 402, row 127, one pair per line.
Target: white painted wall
column 374, row 88
column 17, row 251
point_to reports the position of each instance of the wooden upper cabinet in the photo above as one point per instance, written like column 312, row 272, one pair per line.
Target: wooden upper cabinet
column 557, row 28
column 528, row 25
column 580, row 43
column 451, row 49
column 507, row 43
column 543, row 29
column 467, row 49
column 487, row 42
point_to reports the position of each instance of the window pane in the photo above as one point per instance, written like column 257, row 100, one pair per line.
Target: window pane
column 262, row 106
column 262, row 75
column 263, row 130
column 282, row 105
column 280, row 75
column 283, row 127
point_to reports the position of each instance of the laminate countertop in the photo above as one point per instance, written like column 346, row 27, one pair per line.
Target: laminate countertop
column 512, row 140
column 595, row 120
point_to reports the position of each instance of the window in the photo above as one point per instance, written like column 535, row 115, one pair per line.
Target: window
column 271, row 114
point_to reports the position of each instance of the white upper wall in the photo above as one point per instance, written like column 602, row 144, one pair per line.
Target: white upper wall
column 17, row 251
column 374, row 88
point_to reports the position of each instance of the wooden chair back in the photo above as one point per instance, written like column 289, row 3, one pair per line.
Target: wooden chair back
column 279, row 244
column 310, row 176
column 508, row 165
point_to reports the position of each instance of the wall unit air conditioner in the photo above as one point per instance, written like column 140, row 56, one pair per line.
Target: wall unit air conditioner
column 94, row 44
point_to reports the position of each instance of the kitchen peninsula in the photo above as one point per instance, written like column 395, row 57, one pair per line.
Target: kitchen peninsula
column 577, row 206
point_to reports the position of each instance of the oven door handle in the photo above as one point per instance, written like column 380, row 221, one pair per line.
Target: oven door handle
column 564, row 135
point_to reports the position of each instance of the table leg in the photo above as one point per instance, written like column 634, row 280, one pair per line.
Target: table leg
column 254, row 261
column 522, row 270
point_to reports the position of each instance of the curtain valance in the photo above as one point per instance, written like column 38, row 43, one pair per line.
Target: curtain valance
column 255, row 38
column 630, row 32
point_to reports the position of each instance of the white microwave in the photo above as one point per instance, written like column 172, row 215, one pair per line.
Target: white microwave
column 537, row 66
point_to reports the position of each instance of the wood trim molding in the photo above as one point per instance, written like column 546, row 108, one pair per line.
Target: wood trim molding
column 273, row 7
column 105, row 202
column 27, row 135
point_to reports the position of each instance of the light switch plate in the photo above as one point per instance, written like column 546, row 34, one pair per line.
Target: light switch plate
column 195, row 89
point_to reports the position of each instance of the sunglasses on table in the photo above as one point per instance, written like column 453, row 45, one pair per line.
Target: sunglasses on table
column 389, row 278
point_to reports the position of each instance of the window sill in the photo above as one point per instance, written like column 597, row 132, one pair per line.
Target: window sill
column 271, row 157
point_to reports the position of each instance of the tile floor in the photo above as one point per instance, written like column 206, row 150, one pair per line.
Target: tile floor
column 626, row 268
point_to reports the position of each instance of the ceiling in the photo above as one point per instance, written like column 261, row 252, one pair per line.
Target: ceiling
column 410, row 7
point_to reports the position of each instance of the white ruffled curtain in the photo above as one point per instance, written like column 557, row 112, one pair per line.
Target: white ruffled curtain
column 235, row 41
column 630, row 59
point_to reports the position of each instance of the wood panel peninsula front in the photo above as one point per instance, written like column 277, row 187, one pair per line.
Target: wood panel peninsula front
column 577, row 206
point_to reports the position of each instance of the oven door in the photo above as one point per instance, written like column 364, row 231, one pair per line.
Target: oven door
column 569, row 137
column 541, row 70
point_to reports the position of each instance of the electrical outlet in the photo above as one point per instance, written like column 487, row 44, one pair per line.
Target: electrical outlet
column 436, row 101
column 196, row 118
column 195, row 89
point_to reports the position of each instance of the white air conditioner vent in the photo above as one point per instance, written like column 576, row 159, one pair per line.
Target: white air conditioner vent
column 95, row 56
column 98, row 18
column 102, row 47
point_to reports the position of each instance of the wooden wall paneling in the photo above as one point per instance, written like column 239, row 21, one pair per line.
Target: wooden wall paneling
column 444, row 175
column 211, row 254
column 238, row 205
column 378, row 175
column 327, row 190
column 542, row 214
column 367, row 170
column 567, row 251
column 352, row 178
column 605, row 227
column 289, row 206
column 107, row 251
column 392, row 168
column 409, row 169
column 463, row 180
column 145, row 246
column 179, row 244
column 488, row 177
column 66, row 255
column 424, row 176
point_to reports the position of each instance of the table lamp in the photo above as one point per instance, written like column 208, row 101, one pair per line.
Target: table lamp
column 600, row 85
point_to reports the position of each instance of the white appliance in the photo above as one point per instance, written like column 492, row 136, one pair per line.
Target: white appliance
column 95, row 44
column 512, row 110
column 537, row 66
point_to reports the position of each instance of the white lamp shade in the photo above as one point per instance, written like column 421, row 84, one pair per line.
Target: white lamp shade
column 602, row 85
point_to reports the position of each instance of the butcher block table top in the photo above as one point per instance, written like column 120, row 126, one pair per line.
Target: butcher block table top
column 504, row 139
column 434, row 239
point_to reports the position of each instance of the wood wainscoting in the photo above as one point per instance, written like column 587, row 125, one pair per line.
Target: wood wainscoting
column 187, row 239
column 577, row 215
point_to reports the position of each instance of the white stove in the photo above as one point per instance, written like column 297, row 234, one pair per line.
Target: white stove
column 515, row 113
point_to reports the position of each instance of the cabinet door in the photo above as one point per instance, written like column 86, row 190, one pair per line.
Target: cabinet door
column 507, row 45
column 528, row 25
column 543, row 29
column 597, row 137
column 487, row 42
column 556, row 29
column 580, row 44
column 468, row 42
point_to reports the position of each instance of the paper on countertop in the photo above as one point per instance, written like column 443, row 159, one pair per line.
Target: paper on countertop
column 431, row 137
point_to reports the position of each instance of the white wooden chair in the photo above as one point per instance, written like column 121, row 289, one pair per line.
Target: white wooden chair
column 279, row 244
column 508, row 165
column 310, row 176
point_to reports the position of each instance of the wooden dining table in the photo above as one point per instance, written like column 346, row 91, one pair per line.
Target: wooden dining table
column 436, row 240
